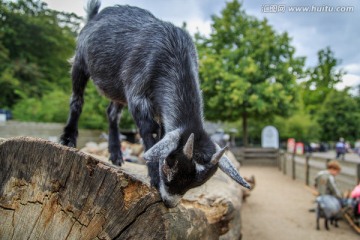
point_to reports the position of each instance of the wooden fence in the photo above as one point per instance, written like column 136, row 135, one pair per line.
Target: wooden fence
column 263, row 156
column 305, row 167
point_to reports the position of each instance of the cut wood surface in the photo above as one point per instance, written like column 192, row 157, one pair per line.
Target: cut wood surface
column 49, row 191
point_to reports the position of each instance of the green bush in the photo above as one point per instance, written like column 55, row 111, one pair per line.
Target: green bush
column 54, row 107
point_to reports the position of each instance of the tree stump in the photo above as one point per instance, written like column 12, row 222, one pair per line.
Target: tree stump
column 49, row 191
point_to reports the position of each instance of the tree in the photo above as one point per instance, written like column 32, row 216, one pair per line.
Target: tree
column 339, row 117
column 322, row 80
column 299, row 126
column 247, row 70
column 35, row 43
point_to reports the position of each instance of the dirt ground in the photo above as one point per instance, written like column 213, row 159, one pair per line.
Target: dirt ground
column 277, row 209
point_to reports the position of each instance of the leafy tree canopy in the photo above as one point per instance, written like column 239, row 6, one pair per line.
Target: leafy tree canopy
column 35, row 43
column 339, row 117
column 322, row 80
column 246, row 68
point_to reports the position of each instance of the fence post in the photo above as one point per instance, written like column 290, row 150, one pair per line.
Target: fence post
column 358, row 173
column 307, row 168
column 284, row 162
column 293, row 166
column 278, row 159
column 327, row 162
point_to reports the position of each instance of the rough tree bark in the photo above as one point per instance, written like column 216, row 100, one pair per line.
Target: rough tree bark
column 48, row 191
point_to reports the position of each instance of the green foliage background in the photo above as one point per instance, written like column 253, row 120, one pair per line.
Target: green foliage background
column 250, row 76
column 35, row 45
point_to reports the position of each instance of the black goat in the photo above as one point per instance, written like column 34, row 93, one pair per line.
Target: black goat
column 329, row 208
column 320, row 214
column 136, row 59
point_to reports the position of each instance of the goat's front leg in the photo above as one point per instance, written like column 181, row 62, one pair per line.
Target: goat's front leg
column 326, row 223
column 113, row 113
column 150, row 132
column 142, row 112
column 317, row 217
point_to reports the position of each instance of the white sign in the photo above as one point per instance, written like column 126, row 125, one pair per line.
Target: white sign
column 2, row 117
column 270, row 137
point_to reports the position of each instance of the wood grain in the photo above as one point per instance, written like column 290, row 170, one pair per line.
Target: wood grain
column 48, row 191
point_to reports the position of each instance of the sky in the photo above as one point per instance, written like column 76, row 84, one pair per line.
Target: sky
column 312, row 24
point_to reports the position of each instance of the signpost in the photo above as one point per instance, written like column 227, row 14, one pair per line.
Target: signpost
column 291, row 145
column 270, row 137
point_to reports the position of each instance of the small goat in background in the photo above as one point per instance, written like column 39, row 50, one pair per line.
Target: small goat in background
column 328, row 207
column 136, row 59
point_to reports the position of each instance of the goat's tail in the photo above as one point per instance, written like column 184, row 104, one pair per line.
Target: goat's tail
column 92, row 9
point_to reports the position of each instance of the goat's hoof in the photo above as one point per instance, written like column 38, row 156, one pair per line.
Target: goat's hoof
column 154, row 184
column 67, row 142
column 116, row 159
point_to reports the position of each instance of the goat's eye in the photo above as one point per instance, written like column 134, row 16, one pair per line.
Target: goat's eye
column 171, row 161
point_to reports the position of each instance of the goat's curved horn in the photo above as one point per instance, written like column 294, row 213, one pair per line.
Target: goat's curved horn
column 217, row 156
column 164, row 147
column 228, row 168
column 189, row 147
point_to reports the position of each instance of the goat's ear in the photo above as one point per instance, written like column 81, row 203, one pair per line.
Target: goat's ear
column 189, row 147
column 164, row 147
column 168, row 171
column 228, row 168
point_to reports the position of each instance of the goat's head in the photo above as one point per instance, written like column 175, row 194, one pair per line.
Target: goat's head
column 185, row 166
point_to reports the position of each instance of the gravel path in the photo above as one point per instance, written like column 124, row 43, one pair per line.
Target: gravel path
column 277, row 209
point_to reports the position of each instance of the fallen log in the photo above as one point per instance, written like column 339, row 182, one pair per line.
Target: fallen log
column 49, row 191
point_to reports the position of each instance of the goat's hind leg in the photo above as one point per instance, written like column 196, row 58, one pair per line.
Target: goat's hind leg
column 334, row 221
column 113, row 114
column 79, row 80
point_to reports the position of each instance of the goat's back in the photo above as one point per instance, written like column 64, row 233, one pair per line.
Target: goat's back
column 127, row 51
